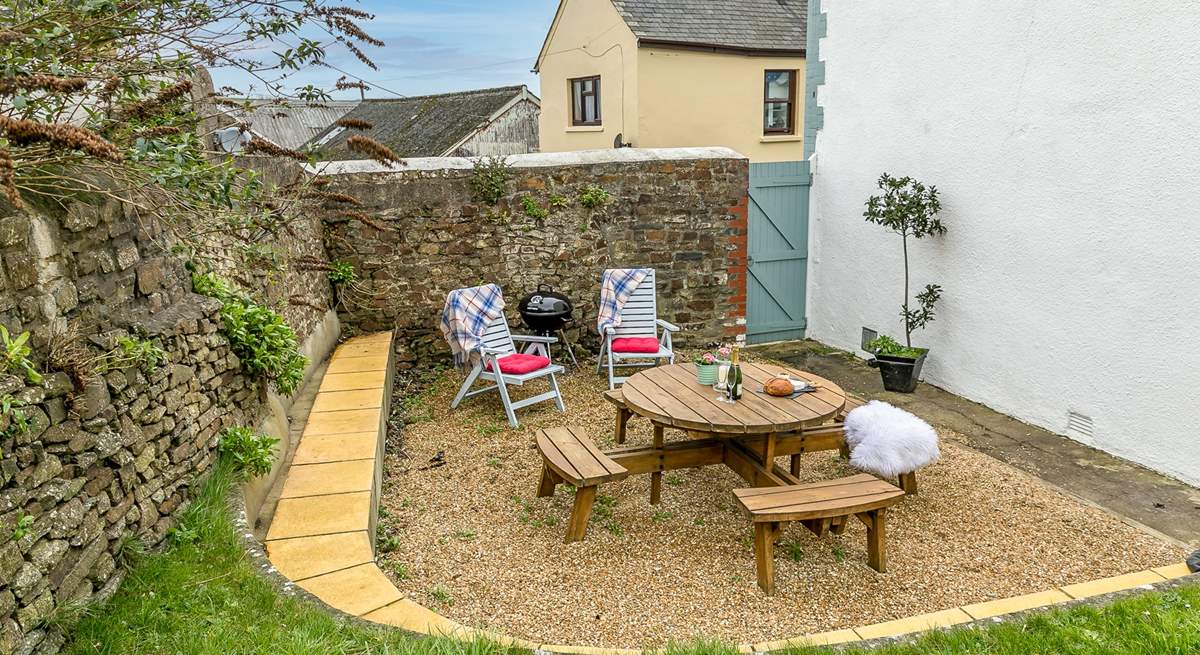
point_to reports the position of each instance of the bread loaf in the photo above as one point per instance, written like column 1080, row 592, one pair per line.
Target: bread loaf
column 779, row 387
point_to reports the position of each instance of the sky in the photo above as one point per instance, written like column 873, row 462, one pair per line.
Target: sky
column 434, row 46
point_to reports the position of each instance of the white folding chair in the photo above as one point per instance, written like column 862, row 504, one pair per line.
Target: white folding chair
column 639, row 320
column 498, row 345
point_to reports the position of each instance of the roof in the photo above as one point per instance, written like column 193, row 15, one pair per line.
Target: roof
column 291, row 125
column 750, row 25
column 422, row 126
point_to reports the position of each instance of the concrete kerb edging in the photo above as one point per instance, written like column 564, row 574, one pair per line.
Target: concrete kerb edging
column 1094, row 593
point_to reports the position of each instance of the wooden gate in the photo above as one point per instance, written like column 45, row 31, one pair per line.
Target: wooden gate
column 777, row 250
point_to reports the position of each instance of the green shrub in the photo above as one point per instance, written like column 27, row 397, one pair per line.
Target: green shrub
column 593, row 196
column 342, row 273
column 489, row 179
column 132, row 352
column 885, row 345
column 257, row 334
column 532, row 209
column 250, row 453
column 15, row 356
column 558, row 202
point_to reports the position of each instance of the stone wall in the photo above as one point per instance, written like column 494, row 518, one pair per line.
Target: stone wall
column 111, row 459
column 681, row 211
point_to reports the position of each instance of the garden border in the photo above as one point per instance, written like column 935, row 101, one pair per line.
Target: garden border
column 397, row 611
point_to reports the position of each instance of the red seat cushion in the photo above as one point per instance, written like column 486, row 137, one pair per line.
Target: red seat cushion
column 519, row 363
column 635, row 345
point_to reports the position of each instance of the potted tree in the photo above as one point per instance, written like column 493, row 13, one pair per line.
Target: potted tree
column 908, row 208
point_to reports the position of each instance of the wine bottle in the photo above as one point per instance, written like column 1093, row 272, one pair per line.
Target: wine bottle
column 734, row 381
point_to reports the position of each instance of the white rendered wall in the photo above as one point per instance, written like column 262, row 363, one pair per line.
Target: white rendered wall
column 1065, row 140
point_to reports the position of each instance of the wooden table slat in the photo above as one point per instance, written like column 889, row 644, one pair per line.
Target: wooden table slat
column 769, row 414
column 821, row 401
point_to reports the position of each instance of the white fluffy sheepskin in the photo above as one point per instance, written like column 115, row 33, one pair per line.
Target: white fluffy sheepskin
column 887, row 441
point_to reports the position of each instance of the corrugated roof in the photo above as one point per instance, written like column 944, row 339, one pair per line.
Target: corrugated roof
column 736, row 24
column 291, row 125
column 418, row 126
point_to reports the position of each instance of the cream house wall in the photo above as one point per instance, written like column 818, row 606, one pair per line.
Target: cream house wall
column 588, row 37
column 695, row 98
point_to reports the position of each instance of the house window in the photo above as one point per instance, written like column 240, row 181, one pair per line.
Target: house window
column 779, row 101
column 585, row 101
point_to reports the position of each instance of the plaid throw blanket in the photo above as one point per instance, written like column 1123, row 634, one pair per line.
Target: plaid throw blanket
column 616, row 286
column 466, row 317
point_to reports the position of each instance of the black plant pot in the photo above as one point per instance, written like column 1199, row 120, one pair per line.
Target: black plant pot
column 899, row 373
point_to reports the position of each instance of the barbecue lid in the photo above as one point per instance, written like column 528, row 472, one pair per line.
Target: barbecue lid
column 546, row 302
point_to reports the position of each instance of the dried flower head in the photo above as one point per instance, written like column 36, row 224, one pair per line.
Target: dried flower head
column 354, row 123
column 261, row 145
column 25, row 132
column 373, row 149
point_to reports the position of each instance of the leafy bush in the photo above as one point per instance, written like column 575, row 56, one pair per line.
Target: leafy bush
column 342, row 273
column 132, row 352
column 558, row 202
column 593, row 196
column 257, row 334
column 250, row 453
column 885, row 345
column 532, row 209
column 15, row 356
column 489, row 179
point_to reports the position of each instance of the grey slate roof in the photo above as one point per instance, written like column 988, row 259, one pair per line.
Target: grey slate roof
column 291, row 124
column 417, row 126
column 734, row 24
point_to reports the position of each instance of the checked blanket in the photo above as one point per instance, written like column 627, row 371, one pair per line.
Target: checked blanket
column 616, row 285
column 465, row 319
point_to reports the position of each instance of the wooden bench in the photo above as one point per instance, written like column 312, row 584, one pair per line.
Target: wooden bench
column 569, row 456
column 819, row 506
column 615, row 397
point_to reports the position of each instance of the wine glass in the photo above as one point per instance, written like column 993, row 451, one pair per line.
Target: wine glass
column 722, row 375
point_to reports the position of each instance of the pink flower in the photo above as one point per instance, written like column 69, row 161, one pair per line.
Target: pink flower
column 708, row 358
column 725, row 352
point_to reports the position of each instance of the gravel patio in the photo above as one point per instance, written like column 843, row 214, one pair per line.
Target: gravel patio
column 464, row 534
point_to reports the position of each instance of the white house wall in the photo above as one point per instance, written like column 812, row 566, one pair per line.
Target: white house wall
column 1065, row 141
column 513, row 133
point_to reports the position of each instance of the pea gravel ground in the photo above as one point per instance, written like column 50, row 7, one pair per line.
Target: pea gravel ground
column 470, row 539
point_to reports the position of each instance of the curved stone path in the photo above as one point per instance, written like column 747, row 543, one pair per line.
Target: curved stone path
column 322, row 536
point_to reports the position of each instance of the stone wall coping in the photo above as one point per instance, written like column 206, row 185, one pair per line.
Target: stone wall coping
column 531, row 160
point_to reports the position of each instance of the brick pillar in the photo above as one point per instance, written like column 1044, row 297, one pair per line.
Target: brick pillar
column 735, row 315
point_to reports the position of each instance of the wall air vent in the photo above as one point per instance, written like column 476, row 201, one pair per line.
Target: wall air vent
column 1081, row 427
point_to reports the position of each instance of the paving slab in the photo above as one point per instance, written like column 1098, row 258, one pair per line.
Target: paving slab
column 353, row 381
column 831, row 638
column 358, row 364
column 336, row 448
column 357, row 590
column 346, row 422
column 305, row 557
column 1109, row 585
column 329, row 478
column 340, row 401
column 412, row 616
column 918, row 623
column 1135, row 493
column 317, row 515
column 1015, row 604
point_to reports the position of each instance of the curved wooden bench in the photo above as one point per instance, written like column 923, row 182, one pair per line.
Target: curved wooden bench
column 818, row 506
column 568, row 455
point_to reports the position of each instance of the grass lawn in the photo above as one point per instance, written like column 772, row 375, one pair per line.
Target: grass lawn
column 203, row 596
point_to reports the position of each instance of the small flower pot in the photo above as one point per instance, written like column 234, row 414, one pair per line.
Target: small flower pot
column 706, row 374
column 899, row 373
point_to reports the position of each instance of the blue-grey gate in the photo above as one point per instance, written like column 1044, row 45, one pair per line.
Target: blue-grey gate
column 777, row 249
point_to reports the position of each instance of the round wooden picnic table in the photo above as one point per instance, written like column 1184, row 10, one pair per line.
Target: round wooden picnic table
column 670, row 396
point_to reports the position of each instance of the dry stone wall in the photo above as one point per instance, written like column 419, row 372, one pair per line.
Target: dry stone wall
column 113, row 458
column 681, row 211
